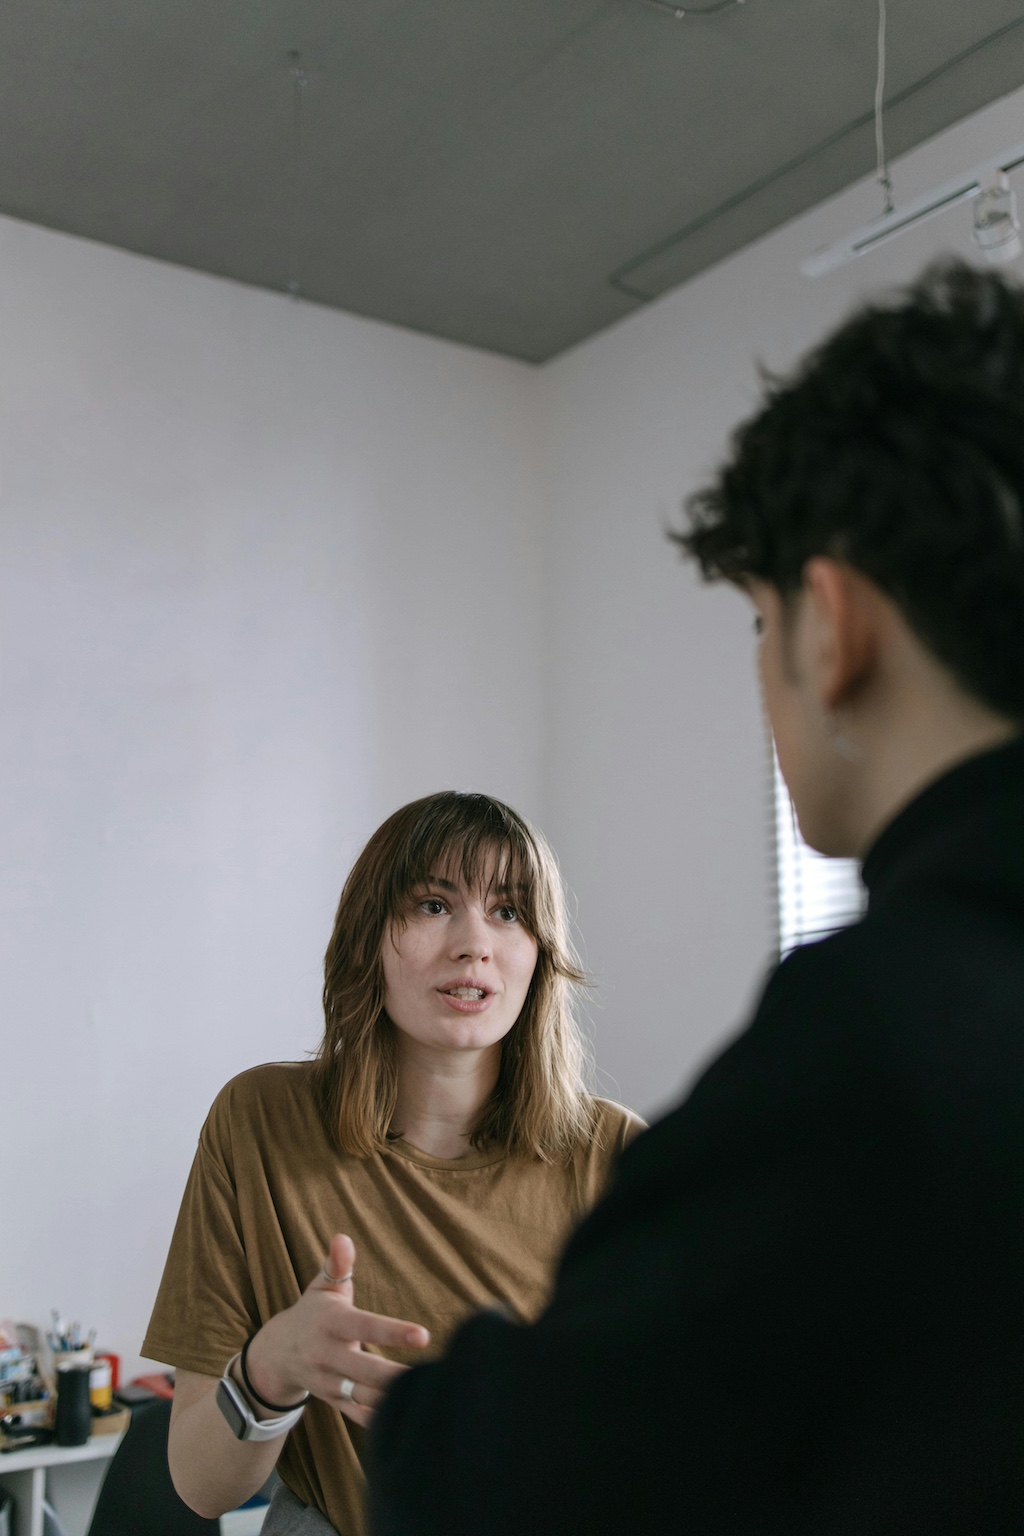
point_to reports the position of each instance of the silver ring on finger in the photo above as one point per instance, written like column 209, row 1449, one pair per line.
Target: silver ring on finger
column 336, row 1279
column 348, row 1389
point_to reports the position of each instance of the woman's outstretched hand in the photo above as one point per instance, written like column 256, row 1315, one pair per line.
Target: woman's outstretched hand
column 318, row 1344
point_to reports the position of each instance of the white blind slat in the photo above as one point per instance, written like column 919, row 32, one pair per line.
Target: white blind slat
column 816, row 895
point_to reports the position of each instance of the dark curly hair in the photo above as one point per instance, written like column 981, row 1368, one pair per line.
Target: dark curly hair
column 898, row 447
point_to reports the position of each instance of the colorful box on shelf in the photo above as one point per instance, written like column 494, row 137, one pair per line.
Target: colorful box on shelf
column 113, row 1422
column 37, row 1414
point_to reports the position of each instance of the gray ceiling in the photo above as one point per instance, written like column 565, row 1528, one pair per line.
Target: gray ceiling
column 511, row 173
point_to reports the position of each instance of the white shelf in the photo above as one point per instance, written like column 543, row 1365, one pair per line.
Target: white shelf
column 96, row 1448
column 34, row 1463
column 76, row 1472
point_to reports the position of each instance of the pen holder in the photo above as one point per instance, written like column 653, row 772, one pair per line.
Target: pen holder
column 74, row 1411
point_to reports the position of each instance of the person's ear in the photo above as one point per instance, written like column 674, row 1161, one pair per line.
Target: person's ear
column 844, row 607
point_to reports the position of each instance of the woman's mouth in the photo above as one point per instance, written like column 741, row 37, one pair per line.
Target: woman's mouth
column 466, row 998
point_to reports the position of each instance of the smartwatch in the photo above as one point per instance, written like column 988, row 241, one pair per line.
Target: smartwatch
column 242, row 1422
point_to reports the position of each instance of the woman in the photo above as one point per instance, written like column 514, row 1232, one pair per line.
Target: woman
column 428, row 1162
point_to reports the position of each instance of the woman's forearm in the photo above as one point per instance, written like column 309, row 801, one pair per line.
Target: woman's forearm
column 315, row 1346
column 211, row 1470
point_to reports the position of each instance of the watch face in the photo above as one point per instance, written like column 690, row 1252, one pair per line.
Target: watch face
column 229, row 1406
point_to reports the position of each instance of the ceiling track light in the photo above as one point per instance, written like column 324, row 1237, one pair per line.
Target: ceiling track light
column 996, row 229
column 996, row 226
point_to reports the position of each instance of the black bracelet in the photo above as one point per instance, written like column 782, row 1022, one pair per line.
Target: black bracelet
column 247, row 1384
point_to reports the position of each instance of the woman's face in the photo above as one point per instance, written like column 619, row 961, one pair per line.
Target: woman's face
column 457, row 970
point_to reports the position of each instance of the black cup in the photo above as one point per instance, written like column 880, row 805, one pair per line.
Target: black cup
column 74, row 1410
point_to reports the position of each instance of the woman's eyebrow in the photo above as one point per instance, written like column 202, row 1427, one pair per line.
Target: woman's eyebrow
column 446, row 885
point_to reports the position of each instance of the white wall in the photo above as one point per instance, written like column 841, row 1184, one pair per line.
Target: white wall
column 266, row 573
column 657, row 787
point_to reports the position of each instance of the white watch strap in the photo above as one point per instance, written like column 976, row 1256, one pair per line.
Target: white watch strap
column 252, row 1428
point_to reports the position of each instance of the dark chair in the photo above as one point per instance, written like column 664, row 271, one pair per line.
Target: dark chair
column 137, row 1497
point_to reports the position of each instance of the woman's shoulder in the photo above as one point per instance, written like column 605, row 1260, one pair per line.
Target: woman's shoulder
column 614, row 1124
column 275, row 1094
column 271, row 1082
column 612, row 1128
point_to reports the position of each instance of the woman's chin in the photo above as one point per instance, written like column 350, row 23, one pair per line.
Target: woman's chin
column 465, row 1033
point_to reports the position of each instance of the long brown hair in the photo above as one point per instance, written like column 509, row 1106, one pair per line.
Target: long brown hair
column 539, row 1106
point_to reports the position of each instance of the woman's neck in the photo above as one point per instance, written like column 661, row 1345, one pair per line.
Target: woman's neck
column 441, row 1094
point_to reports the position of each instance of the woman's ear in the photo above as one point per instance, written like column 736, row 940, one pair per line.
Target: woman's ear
column 844, row 609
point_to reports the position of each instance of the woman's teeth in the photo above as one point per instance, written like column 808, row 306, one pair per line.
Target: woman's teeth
column 468, row 994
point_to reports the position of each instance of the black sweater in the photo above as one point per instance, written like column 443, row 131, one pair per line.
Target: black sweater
column 800, row 1309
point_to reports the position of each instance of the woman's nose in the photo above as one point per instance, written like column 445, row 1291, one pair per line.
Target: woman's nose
column 471, row 938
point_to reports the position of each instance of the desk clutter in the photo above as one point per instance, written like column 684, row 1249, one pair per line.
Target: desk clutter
column 56, row 1386
column 84, row 1453
column 114, row 1483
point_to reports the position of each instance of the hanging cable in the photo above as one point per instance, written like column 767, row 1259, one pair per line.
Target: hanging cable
column 299, row 83
column 884, row 179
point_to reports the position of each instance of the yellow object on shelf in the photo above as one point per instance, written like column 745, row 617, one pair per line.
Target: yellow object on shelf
column 101, row 1391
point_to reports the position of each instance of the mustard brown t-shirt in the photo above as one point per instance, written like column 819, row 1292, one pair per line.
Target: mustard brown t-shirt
column 436, row 1239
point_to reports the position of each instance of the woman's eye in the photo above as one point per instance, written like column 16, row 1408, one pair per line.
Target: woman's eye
column 432, row 905
column 506, row 914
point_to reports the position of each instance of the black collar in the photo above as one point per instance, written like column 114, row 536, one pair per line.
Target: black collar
column 950, row 804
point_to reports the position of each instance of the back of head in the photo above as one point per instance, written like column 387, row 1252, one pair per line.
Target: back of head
column 898, row 447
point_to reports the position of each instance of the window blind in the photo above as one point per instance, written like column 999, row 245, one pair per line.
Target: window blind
column 815, row 895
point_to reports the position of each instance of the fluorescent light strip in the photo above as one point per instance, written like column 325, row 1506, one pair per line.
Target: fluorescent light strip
column 918, row 211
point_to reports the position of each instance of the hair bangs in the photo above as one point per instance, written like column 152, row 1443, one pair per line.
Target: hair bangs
column 476, row 844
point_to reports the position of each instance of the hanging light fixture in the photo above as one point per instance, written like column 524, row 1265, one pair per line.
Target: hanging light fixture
column 996, row 229
column 987, row 185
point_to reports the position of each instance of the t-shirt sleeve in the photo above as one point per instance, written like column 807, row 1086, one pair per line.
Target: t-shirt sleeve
column 627, row 1128
column 597, row 1158
column 205, row 1307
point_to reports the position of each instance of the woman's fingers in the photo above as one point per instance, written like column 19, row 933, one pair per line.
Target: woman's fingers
column 374, row 1372
column 371, row 1373
column 350, row 1322
column 357, row 1413
column 356, row 1385
column 337, row 1269
column 364, row 1376
column 319, row 1342
column 356, row 1400
column 375, row 1328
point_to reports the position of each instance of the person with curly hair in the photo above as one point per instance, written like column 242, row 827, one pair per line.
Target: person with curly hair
column 429, row 1162
column 800, row 1308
